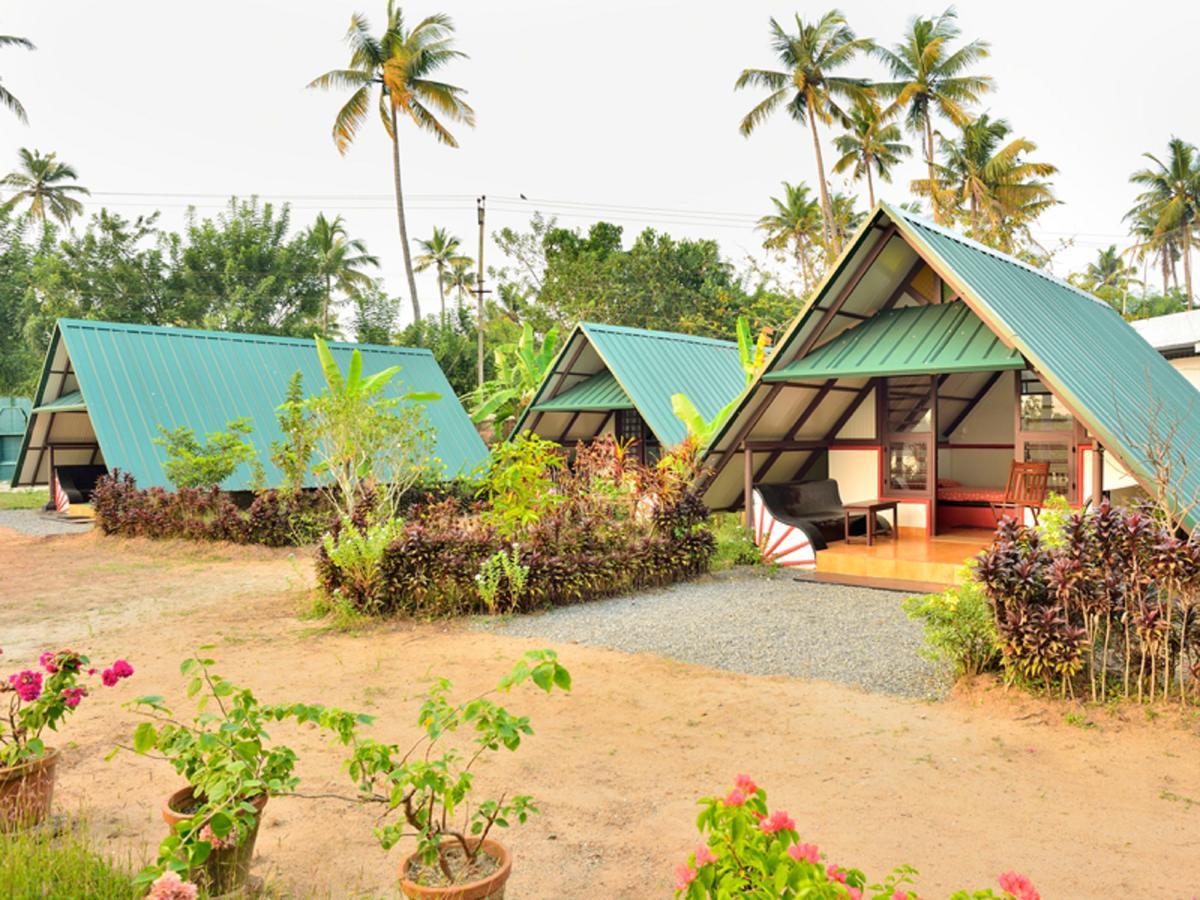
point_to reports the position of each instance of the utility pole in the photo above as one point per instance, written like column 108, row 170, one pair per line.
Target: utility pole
column 479, row 291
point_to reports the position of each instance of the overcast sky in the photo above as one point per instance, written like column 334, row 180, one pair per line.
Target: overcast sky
column 621, row 109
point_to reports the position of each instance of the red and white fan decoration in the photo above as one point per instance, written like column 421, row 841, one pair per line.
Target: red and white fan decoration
column 779, row 542
column 62, row 502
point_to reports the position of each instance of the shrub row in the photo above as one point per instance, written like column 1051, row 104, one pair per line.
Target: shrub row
column 273, row 518
column 431, row 567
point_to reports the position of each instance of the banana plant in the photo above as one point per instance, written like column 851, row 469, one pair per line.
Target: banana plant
column 751, row 351
column 520, row 369
column 700, row 429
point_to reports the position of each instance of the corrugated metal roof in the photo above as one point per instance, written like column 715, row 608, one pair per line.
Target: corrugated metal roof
column 651, row 366
column 1174, row 331
column 14, row 412
column 137, row 377
column 1116, row 383
column 598, row 393
column 916, row 340
column 72, row 401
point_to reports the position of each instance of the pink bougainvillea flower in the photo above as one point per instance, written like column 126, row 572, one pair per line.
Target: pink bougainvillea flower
column 746, row 784
column 853, row 893
column 777, row 821
column 92, row 671
column 122, row 669
column 684, row 875
column 804, row 853
column 704, row 856
column 46, row 661
column 735, row 798
column 169, row 886
column 109, row 677
column 1019, row 886
column 27, row 684
column 72, row 696
column 218, row 843
column 900, row 895
column 835, row 874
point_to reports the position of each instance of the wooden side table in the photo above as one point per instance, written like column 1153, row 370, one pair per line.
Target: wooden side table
column 869, row 508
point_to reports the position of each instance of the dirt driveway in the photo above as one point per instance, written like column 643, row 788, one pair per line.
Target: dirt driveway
column 962, row 789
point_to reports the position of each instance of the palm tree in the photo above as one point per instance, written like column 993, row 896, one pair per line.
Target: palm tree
column 6, row 98
column 846, row 218
column 42, row 182
column 440, row 251
column 806, row 86
column 872, row 142
column 1108, row 277
column 460, row 277
column 796, row 222
column 929, row 74
column 989, row 183
column 1162, row 249
column 1171, row 199
column 340, row 260
column 401, row 61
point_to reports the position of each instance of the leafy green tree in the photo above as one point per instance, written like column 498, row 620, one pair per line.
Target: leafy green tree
column 193, row 464
column 453, row 344
column 6, row 96
column 1171, row 200
column 459, row 277
column 807, row 88
column 46, row 185
column 248, row 272
column 340, row 261
column 118, row 270
column 846, row 216
column 440, row 252
column 405, row 63
column 18, row 359
column 872, row 143
column 930, row 74
column 375, row 314
column 796, row 224
column 293, row 455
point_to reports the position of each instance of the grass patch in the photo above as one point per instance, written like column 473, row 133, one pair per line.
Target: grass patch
column 24, row 499
column 735, row 546
column 39, row 865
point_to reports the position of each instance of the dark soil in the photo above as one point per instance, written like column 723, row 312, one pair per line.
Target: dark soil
column 432, row 876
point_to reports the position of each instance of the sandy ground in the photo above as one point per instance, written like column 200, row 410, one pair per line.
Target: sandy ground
column 961, row 789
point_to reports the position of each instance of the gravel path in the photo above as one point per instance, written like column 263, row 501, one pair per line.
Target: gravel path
column 38, row 523
column 758, row 624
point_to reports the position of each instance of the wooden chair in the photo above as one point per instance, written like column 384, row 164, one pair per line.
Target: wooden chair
column 1026, row 489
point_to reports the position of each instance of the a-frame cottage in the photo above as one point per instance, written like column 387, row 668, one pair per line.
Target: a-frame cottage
column 930, row 385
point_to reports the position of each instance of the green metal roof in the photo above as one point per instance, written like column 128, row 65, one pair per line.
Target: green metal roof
column 72, row 401
column 14, row 412
column 651, row 366
column 137, row 377
column 598, row 393
column 916, row 340
column 1116, row 383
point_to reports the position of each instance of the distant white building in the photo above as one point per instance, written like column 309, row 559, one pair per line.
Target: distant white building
column 1176, row 337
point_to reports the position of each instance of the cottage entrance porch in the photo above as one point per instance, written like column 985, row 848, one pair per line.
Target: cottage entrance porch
column 910, row 561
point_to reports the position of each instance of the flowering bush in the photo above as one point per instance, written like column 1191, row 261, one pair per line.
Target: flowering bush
column 752, row 851
column 959, row 627
column 43, row 697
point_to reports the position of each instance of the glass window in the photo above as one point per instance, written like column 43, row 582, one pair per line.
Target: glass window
column 1041, row 410
column 1059, row 457
column 908, row 405
column 629, row 425
column 908, row 465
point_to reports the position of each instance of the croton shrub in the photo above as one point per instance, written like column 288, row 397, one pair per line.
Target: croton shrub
column 1105, row 604
column 274, row 518
column 602, row 525
column 751, row 850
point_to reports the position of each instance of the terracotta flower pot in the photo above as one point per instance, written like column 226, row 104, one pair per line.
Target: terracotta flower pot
column 26, row 791
column 226, row 868
column 489, row 888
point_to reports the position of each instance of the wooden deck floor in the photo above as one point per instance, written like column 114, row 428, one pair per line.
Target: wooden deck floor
column 911, row 558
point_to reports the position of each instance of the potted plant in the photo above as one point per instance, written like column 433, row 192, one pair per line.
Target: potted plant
column 430, row 787
column 231, row 767
column 38, row 699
